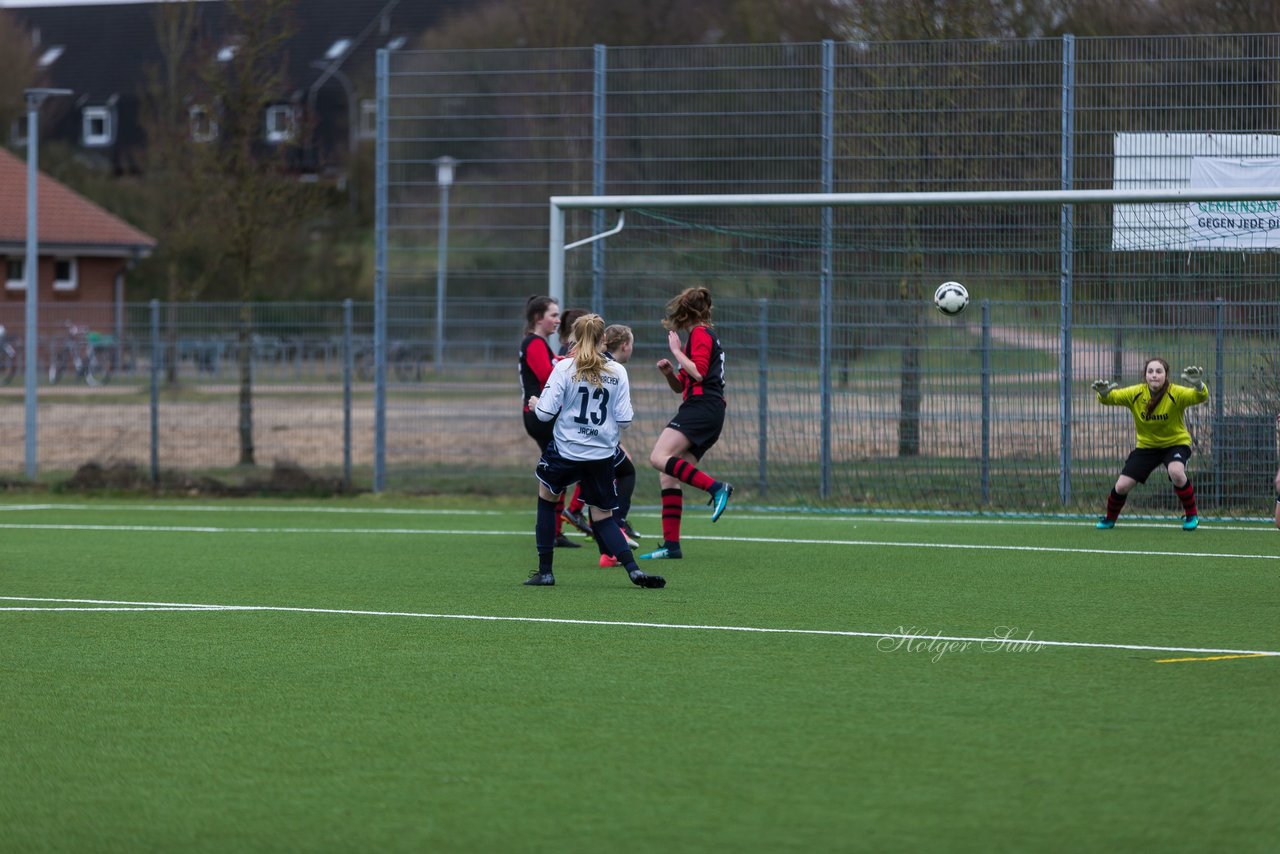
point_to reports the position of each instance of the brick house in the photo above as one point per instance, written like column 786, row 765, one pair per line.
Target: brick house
column 84, row 253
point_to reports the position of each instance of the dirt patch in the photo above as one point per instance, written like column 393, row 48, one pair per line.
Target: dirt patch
column 284, row 479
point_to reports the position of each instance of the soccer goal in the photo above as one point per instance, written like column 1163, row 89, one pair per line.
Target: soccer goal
column 847, row 387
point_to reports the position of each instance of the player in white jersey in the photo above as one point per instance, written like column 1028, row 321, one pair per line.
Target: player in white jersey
column 589, row 397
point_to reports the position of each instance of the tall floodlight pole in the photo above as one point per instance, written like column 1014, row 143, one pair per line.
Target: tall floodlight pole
column 444, row 178
column 31, row 266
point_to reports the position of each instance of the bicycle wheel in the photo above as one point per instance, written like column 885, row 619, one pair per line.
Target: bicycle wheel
column 97, row 368
column 8, row 364
column 59, row 365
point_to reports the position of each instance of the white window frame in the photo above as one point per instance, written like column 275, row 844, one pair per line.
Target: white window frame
column 275, row 136
column 72, row 281
column 368, row 118
column 18, row 132
column 203, row 123
column 97, row 140
column 19, row 284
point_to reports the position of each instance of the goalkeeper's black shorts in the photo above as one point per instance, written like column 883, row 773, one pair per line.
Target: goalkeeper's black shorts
column 1143, row 461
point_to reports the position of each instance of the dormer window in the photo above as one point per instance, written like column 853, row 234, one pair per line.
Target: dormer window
column 50, row 56
column 396, row 43
column 98, row 127
column 281, row 124
column 227, row 52
column 204, row 127
column 337, row 49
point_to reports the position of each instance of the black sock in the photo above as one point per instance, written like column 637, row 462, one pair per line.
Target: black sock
column 545, row 533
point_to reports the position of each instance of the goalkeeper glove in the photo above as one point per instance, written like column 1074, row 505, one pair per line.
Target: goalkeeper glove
column 1193, row 376
column 1104, row 387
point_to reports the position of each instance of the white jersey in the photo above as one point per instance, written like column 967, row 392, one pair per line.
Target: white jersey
column 591, row 419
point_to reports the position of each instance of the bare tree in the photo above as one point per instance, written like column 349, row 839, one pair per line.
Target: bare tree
column 188, row 247
column 249, row 190
column 17, row 71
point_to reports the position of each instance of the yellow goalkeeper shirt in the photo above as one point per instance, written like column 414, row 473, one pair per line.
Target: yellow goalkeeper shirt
column 1164, row 427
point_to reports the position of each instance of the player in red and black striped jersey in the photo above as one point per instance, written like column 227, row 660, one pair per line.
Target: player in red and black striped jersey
column 696, row 427
column 541, row 320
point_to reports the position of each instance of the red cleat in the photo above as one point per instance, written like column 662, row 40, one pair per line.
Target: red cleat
column 607, row 561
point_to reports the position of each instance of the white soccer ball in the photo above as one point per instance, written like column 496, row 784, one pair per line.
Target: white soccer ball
column 951, row 298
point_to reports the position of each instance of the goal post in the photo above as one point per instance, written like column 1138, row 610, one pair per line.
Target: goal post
column 1143, row 246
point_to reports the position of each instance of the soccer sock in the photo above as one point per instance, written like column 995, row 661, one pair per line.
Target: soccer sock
column 685, row 472
column 611, row 536
column 625, row 475
column 559, row 520
column 626, row 488
column 1187, row 495
column 1115, row 503
column 545, row 533
column 672, row 508
column 576, row 504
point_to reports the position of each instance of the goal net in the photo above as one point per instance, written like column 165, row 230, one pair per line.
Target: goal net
column 847, row 389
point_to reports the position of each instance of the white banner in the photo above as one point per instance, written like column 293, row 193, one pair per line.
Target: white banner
column 1233, row 225
column 1166, row 161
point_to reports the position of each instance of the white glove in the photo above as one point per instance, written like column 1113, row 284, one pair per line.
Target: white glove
column 1193, row 376
column 1104, row 387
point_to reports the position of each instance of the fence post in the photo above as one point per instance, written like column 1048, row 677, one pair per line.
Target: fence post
column 598, row 130
column 1219, row 323
column 986, row 402
column 346, row 392
column 762, row 439
column 380, row 276
column 1066, row 239
column 827, row 263
column 155, row 392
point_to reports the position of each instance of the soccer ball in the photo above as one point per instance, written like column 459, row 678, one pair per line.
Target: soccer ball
column 951, row 298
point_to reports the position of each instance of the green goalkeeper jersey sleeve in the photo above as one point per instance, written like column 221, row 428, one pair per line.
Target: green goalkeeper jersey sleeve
column 1164, row 428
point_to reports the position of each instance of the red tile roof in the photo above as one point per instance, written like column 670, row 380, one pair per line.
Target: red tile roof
column 66, row 218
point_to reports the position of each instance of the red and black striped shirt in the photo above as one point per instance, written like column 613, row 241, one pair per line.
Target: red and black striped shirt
column 703, row 349
column 536, row 362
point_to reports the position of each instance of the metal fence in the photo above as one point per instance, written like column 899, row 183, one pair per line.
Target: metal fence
column 524, row 125
column 990, row 114
column 166, row 404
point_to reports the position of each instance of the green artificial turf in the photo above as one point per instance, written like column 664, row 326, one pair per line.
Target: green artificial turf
column 599, row 716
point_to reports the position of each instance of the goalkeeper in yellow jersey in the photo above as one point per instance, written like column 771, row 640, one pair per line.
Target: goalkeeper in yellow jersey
column 1157, row 406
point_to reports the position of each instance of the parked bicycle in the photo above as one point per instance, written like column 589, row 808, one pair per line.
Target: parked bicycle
column 8, row 358
column 86, row 354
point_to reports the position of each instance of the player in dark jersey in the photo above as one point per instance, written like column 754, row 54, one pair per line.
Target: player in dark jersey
column 697, row 424
column 541, row 320
column 1157, row 406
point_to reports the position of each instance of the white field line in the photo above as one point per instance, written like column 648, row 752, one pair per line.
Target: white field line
column 450, row 532
column 1020, row 644
column 923, row 519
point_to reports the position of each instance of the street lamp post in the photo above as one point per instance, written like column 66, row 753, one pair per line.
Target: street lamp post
column 444, row 178
column 31, row 266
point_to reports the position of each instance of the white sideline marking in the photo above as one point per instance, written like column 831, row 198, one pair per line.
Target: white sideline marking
column 447, row 532
column 254, row 508
column 1263, row 523
column 632, row 624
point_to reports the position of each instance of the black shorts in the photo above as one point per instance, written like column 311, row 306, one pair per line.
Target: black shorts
column 1143, row 461
column 557, row 473
column 540, row 431
column 700, row 419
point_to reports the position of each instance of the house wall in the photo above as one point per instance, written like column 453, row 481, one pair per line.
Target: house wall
column 91, row 304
